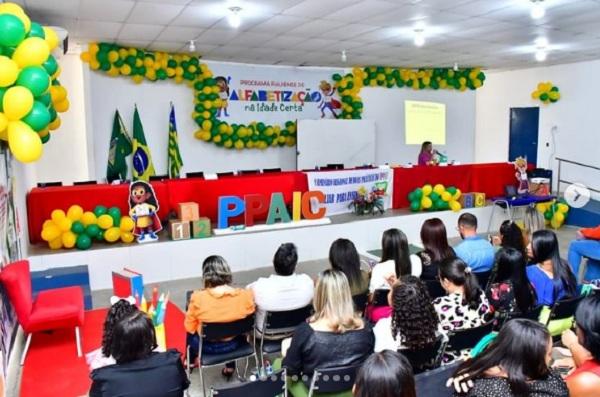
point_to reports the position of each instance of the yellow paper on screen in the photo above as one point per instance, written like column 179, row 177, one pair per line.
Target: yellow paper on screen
column 425, row 121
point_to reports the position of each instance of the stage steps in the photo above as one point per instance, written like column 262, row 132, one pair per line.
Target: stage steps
column 588, row 216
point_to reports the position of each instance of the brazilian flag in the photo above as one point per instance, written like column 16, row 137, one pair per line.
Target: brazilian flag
column 174, row 157
column 120, row 148
column 143, row 168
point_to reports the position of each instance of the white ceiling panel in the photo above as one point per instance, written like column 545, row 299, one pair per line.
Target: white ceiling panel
column 283, row 42
column 154, row 13
column 358, row 12
column 317, row 8
column 179, row 34
column 105, row 10
column 168, row 46
column 196, row 16
column 147, row 33
column 98, row 29
column 279, row 24
column 216, row 37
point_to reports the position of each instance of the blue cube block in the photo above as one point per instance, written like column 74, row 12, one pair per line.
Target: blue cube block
column 63, row 277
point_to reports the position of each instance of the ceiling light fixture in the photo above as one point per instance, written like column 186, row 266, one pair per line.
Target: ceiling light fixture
column 192, row 46
column 419, row 38
column 541, row 55
column 234, row 18
column 537, row 9
column 344, row 57
column 541, row 49
column 455, row 68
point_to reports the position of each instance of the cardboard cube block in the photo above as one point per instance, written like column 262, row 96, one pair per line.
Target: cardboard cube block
column 188, row 211
column 479, row 199
column 467, row 200
column 179, row 230
column 201, row 228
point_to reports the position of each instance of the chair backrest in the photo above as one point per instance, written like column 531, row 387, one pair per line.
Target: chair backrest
column 198, row 174
column 220, row 174
column 220, row 331
column 158, row 177
column 336, row 166
column 564, row 308
column 380, row 297
column 249, row 172
column 286, row 321
column 428, row 358
column 17, row 282
column 85, row 183
column 360, row 302
column 333, row 380
column 267, row 170
column 49, row 184
column 271, row 386
column 434, row 288
column 468, row 338
column 533, row 314
column 483, row 278
column 433, row 383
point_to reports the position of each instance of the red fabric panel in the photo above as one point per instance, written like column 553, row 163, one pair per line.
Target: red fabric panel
column 491, row 178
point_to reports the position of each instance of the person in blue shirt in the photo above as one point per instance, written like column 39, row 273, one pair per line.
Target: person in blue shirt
column 474, row 250
column 551, row 277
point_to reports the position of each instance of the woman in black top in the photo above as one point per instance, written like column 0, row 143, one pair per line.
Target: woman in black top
column 514, row 364
column 436, row 248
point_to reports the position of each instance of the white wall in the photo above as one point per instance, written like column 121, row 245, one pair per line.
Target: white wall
column 576, row 116
column 386, row 107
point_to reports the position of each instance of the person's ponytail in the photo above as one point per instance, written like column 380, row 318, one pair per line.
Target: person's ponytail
column 472, row 294
column 457, row 272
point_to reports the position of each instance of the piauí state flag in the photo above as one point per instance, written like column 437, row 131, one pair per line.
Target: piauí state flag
column 120, row 148
column 174, row 158
column 143, row 168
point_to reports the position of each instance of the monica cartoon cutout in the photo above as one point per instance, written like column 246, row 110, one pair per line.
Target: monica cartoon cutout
column 521, row 175
column 328, row 101
column 143, row 209
column 223, row 85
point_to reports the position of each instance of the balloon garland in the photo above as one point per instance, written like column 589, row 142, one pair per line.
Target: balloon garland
column 546, row 92
column 30, row 93
column 77, row 228
column 349, row 85
column 555, row 213
column 435, row 198
column 142, row 65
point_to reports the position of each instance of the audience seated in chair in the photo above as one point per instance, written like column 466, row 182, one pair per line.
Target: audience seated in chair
column 139, row 372
column 515, row 364
column 334, row 336
column 284, row 290
column 413, row 323
column 217, row 302
column 586, row 245
column 385, row 374
column 510, row 236
column 435, row 248
column 475, row 251
column 464, row 307
column 344, row 257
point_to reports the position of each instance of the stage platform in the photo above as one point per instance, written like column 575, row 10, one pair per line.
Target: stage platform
column 172, row 260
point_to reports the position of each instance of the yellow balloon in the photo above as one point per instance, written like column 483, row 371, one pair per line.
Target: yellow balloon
column 47, row 223
column 559, row 216
column 9, row 71
column 65, row 224
column 85, row 56
column 16, row 10
column 17, row 102
column 23, row 142
column 88, row 218
column 439, row 188
column 55, row 124
column 31, row 51
column 127, row 224
column 75, row 212
column 128, row 237
column 457, row 195
column 555, row 223
column 56, row 244
column 3, row 126
column 454, row 205
column 427, row 189
column 105, row 221
column 57, row 215
column 51, row 37
column 426, row 202
column 69, row 239
column 446, row 196
column 541, row 207
column 535, row 94
column 50, row 232
column 562, row 208
column 112, row 234
column 62, row 106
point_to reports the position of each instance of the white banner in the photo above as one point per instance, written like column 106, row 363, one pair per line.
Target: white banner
column 274, row 95
column 342, row 187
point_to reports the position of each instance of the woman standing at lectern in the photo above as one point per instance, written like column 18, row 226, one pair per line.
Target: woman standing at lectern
column 426, row 154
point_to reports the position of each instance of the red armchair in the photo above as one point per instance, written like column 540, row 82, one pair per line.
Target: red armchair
column 52, row 309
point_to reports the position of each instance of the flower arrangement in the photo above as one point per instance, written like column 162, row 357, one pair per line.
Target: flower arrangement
column 367, row 202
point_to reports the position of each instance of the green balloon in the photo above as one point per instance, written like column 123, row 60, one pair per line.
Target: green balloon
column 451, row 190
column 45, row 138
column 2, row 92
column 35, row 79
column 337, row 77
column 115, row 213
column 39, row 116
column 439, row 204
column 161, row 74
column 554, row 89
column 548, row 215
column 77, row 227
column 100, row 210
column 100, row 235
column 415, row 205
column 434, row 196
column 13, row 30
column 544, row 97
column 53, row 114
column 46, row 99
column 92, row 230
column 36, row 31
column 83, row 242
column 51, row 66
column 418, row 193
column 411, row 196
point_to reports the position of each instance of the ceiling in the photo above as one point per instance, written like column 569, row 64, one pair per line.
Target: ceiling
column 496, row 34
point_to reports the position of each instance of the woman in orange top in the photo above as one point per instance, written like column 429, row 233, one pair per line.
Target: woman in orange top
column 218, row 302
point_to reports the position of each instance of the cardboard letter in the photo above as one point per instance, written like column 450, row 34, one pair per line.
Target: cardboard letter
column 277, row 210
column 306, row 210
column 256, row 204
column 297, row 206
column 225, row 212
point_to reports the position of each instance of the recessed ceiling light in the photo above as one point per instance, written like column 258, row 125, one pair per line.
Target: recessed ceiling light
column 537, row 9
column 541, row 42
column 419, row 38
column 234, row 18
column 541, row 55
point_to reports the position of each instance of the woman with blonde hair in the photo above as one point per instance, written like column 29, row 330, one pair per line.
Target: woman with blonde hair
column 333, row 337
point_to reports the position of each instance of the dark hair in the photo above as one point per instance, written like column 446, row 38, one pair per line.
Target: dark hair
column 151, row 200
column 467, row 220
column 216, row 272
column 587, row 318
column 285, row 259
column 134, row 338
column 424, row 145
column 413, row 316
column 510, row 266
column 519, row 349
column 455, row 271
column 344, row 257
column 512, row 236
column 394, row 246
column 115, row 314
column 385, row 374
column 435, row 240
column 544, row 246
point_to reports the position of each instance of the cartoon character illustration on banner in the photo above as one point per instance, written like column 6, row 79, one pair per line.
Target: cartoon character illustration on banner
column 143, row 209
column 223, row 84
column 521, row 175
column 328, row 101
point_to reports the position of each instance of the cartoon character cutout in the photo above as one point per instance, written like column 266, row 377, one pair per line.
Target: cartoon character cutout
column 328, row 101
column 143, row 209
column 521, row 175
column 223, row 85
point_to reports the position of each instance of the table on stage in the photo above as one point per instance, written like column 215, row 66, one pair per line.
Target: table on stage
column 487, row 178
